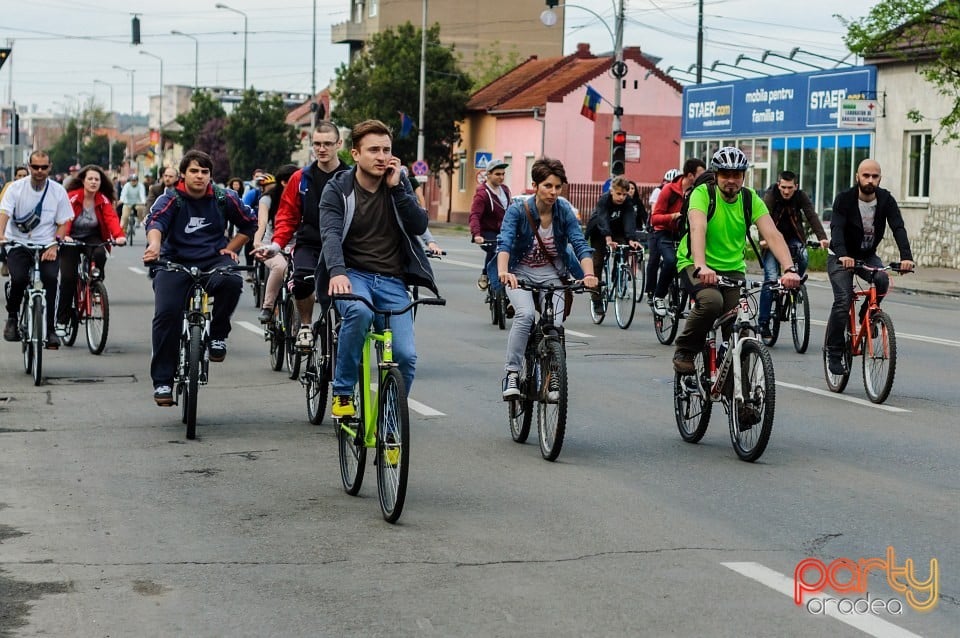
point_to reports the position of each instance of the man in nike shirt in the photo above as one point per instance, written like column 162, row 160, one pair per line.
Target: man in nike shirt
column 186, row 225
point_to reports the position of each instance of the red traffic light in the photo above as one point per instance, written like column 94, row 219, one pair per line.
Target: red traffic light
column 619, row 137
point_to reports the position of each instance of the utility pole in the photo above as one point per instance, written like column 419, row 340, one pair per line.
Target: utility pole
column 421, row 140
column 700, row 44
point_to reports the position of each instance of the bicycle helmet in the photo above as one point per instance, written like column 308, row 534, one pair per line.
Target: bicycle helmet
column 729, row 158
column 266, row 179
column 671, row 175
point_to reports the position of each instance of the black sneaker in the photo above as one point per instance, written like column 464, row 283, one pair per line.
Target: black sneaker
column 510, row 311
column 765, row 330
column 53, row 341
column 163, row 395
column 683, row 362
column 218, row 350
column 836, row 364
column 266, row 315
column 11, row 331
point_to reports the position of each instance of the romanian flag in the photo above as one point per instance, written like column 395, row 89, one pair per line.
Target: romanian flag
column 406, row 124
column 590, row 103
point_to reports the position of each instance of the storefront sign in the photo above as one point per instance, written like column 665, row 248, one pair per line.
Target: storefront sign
column 858, row 114
column 795, row 103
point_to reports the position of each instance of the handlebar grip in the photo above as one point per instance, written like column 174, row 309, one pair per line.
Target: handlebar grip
column 433, row 301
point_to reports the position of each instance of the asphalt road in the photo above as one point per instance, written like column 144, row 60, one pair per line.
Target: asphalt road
column 113, row 524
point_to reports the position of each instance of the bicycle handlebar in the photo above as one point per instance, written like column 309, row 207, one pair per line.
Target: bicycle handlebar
column 81, row 244
column 427, row 301
column 893, row 265
column 29, row 245
column 193, row 271
column 534, row 287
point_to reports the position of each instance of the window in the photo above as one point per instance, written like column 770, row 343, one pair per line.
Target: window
column 462, row 172
column 373, row 7
column 508, row 173
column 358, row 11
column 918, row 162
column 529, row 159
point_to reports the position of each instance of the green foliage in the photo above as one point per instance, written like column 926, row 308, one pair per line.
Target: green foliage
column 63, row 152
column 490, row 63
column 385, row 80
column 204, row 108
column 901, row 28
column 257, row 134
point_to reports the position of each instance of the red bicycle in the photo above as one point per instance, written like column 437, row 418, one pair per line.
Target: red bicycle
column 91, row 305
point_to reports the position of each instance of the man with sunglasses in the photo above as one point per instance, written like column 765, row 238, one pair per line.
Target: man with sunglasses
column 714, row 246
column 299, row 217
column 35, row 211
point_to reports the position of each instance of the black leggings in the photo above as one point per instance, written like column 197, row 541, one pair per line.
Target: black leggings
column 69, row 258
column 20, row 263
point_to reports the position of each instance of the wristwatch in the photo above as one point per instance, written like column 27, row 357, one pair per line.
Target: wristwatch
column 792, row 269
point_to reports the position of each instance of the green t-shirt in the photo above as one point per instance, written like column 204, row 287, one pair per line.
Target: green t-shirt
column 726, row 235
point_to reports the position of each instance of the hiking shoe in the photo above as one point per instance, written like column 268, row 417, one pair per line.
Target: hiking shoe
column 835, row 364
column 683, row 362
column 218, row 350
column 659, row 307
column 511, row 386
column 53, row 342
column 11, row 331
column 163, row 395
column 305, row 338
column 342, row 406
column 483, row 282
column 266, row 315
column 511, row 311
column 553, row 389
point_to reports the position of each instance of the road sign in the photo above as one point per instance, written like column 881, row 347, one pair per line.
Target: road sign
column 420, row 168
column 481, row 177
column 481, row 159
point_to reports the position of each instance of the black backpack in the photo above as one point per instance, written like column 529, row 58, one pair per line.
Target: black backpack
column 710, row 179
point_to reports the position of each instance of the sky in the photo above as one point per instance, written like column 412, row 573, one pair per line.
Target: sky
column 56, row 59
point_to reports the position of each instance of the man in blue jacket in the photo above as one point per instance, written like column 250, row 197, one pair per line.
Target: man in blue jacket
column 187, row 226
column 369, row 223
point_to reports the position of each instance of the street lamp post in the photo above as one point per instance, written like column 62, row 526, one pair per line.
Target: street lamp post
column 196, row 57
column 131, row 72
column 159, row 160
column 618, row 69
column 220, row 5
column 109, row 137
column 421, row 139
column 746, row 58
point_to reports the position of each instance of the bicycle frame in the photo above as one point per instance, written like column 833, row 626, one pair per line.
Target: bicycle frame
column 860, row 335
column 367, row 397
column 197, row 312
column 742, row 321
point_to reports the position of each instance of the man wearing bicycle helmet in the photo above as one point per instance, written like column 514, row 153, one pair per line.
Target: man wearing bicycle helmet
column 860, row 217
column 714, row 247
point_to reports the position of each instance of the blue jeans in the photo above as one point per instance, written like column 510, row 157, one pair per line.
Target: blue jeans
column 384, row 292
column 771, row 270
column 667, row 247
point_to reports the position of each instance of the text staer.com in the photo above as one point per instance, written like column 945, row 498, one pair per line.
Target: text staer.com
column 844, row 575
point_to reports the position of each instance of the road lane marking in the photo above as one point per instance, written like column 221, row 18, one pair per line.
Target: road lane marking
column 139, row 271
column 246, row 325
column 577, row 334
column 870, row 625
column 906, row 335
column 834, row 395
column 420, row 408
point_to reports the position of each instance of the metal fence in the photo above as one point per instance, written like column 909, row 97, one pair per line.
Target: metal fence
column 584, row 197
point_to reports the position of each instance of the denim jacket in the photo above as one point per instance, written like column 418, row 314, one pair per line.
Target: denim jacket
column 516, row 236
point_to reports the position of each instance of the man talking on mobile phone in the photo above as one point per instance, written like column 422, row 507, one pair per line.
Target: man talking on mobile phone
column 369, row 223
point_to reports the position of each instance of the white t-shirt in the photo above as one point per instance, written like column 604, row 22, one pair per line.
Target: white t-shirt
column 20, row 199
column 653, row 197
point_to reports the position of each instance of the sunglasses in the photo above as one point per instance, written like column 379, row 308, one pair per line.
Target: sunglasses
column 40, row 167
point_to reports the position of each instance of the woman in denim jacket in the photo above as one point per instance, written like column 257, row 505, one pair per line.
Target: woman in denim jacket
column 519, row 255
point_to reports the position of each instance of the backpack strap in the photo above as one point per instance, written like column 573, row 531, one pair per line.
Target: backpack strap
column 747, row 198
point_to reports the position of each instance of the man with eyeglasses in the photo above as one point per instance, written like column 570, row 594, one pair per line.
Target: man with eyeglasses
column 34, row 211
column 299, row 217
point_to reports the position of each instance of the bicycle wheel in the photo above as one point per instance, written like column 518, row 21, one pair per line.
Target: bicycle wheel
column 666, row 326
column 639, row 275
column 751, row 419
column 552, row 411
column 276, row 335
column 800, row 319
column 393, row 445
column 290, row 329
column 776, row 312
column 492, row 303
column 691, row 403
column 625, row 296
column 879, row 357
column 316, row 377
column 98, row 323
column 73, row 324
column 130, row 230
column 838, row 382
column 520, row 409
column 597, row 314
column 352, row 451
column 500, row 300
column 193, row 380
column 37, row 342
column 257, row 284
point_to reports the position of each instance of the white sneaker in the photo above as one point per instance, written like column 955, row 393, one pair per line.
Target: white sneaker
column 305, row 338
column 659, row 307
column 60, row 329
column 511, row 386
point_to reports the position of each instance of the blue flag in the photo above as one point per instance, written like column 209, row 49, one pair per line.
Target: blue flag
column 406, row 124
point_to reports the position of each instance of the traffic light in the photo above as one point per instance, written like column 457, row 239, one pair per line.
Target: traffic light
column 618, row 155
column 135, row 25
column 552, row 3
column 4, row 54
column 16, row 129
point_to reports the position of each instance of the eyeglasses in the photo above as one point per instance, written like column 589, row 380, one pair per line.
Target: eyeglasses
column 325, row 144
column 40, row 167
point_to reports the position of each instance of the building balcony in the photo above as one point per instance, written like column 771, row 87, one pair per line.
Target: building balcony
column 348, row 33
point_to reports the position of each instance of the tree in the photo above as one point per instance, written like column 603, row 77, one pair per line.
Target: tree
column 912, row 30
column 96, row 150
column 204, row 109
column 211, row 141
column 385, row 80
column 258, row 135
column 63, row 152
column 490, row 63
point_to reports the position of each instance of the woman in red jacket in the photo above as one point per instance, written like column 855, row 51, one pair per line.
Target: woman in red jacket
column 94, row 221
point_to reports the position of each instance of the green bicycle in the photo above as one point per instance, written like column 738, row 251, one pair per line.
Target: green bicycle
column 383, row 422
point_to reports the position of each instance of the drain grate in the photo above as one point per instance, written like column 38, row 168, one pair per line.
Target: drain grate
column 104, row 380
column 619, row 355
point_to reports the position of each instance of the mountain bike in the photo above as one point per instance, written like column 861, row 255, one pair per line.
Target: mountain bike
column 279, row 332
column 130, row 229
column 258, row 282
column 737, row 372
column 33, row 314
column 871, row 336
column 678, row 304
column 193, row 369
column 793, row 306
column 496, row 299
column 320, row 363
column 543, row 376
column 384, row 423
column 91, row 304
column 618, row 286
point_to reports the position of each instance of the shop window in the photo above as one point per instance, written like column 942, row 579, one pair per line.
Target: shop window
column 861, row 150
column 918, row 165
column 808, row 172
column 373, row 7
column 462, row 172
